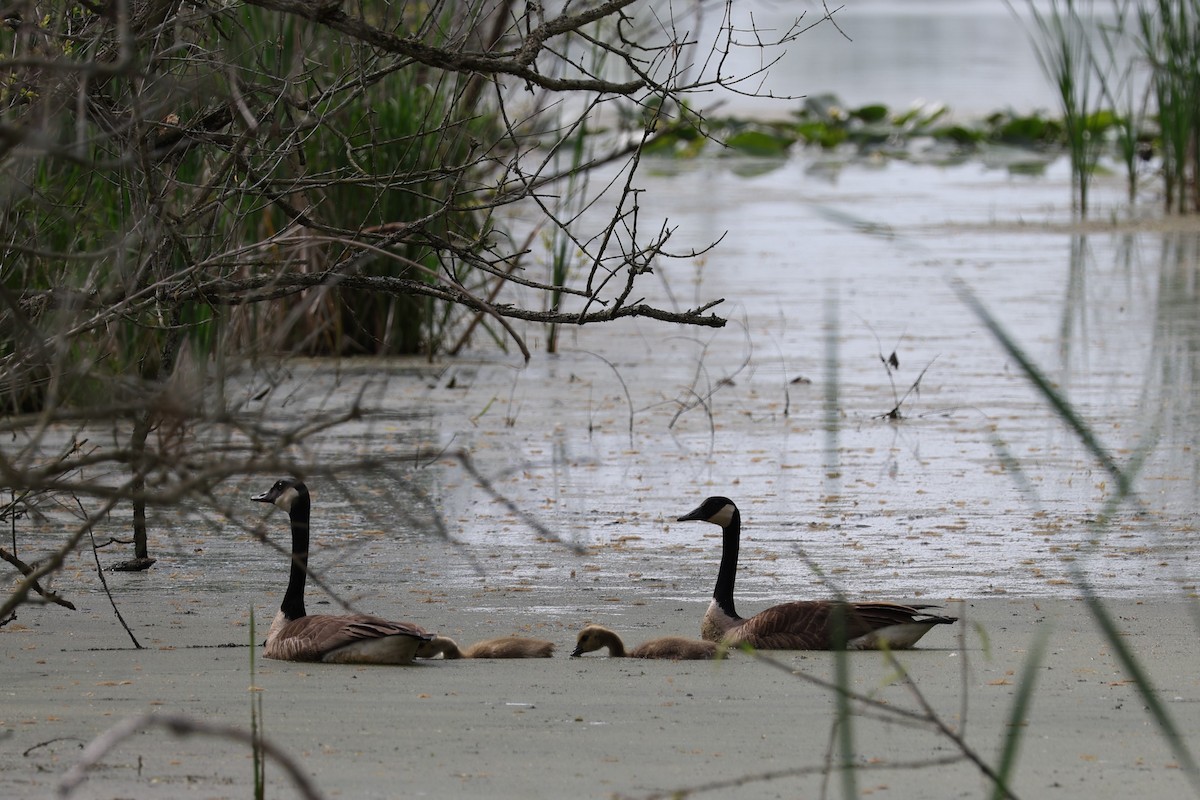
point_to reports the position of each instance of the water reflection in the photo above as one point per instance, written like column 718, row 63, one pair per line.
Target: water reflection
column 1174, row 375
column 1148, row 299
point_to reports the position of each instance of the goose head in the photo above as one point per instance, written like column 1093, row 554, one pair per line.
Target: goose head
column 596, row 637
column 284, row 493
column 717, row 510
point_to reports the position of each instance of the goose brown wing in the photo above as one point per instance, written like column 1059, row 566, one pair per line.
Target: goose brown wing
column 802, row 625
column 822, row 625
column 311, row 638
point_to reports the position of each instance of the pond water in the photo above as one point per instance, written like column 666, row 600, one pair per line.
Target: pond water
column 979, row 488
column 826, row 267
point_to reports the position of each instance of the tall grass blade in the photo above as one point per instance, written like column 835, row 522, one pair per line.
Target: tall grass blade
column 1035, row 376
column 845, row 723
column 1145, row 687
column 830, row 416
column 256, row 733
column 1061, row 39
column 1016, row 717
column 1120, row 87
column 841, row 662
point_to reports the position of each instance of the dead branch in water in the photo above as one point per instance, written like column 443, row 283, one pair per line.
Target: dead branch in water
column 27, row 570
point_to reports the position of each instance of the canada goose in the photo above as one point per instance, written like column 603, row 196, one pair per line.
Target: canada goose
column 500, row 647
column 805, row 624
column 596, row 637
column 338, row 639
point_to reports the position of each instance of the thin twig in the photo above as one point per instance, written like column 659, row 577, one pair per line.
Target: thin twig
column 945, row 729
column 27, row 570
column 104, row 583
column 182, row 726
column 796, row 772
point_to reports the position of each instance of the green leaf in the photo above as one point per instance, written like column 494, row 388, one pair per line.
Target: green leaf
column 759, row 143
column 877, row 112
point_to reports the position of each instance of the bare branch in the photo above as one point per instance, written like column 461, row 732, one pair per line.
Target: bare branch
column 27, row 570
column 518, row 63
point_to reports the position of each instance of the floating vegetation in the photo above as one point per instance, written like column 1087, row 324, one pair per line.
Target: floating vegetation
column 922, row 132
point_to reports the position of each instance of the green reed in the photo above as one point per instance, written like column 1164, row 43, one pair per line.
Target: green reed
column 563, row 249
column 1062, row 42
column 570, row 155
column 1170, row 42
column 831, row 423
column 1121, row 88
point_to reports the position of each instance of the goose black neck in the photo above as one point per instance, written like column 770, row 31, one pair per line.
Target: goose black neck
column 731, row 536
column 293, row 599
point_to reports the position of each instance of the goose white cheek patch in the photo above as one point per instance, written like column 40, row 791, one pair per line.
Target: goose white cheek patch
column 724, row 516
column 287, row 498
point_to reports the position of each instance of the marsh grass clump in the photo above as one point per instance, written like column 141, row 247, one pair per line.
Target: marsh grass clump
column 324, row 161
column 379, row 161
column 1169, row 37
column 1144, row 63
column 1062, row 41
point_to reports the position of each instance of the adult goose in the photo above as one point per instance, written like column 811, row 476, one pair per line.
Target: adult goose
column 804, row 624
column 677, row 648
column 500, row 647
column 338, row 639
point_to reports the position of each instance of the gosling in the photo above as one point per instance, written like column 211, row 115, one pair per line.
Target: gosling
column 500, row 647
column 676, row 648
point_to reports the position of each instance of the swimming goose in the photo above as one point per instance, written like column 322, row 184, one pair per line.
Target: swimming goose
column 596, row 637
column 805, row 624
column 500, row 647
column 338, row 639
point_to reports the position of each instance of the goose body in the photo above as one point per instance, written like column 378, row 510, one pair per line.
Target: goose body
column 676, row 648
column 804, row 624
column 500, row 647
column 335, row 639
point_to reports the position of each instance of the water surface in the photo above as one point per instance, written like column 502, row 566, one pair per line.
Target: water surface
column 977, row 489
